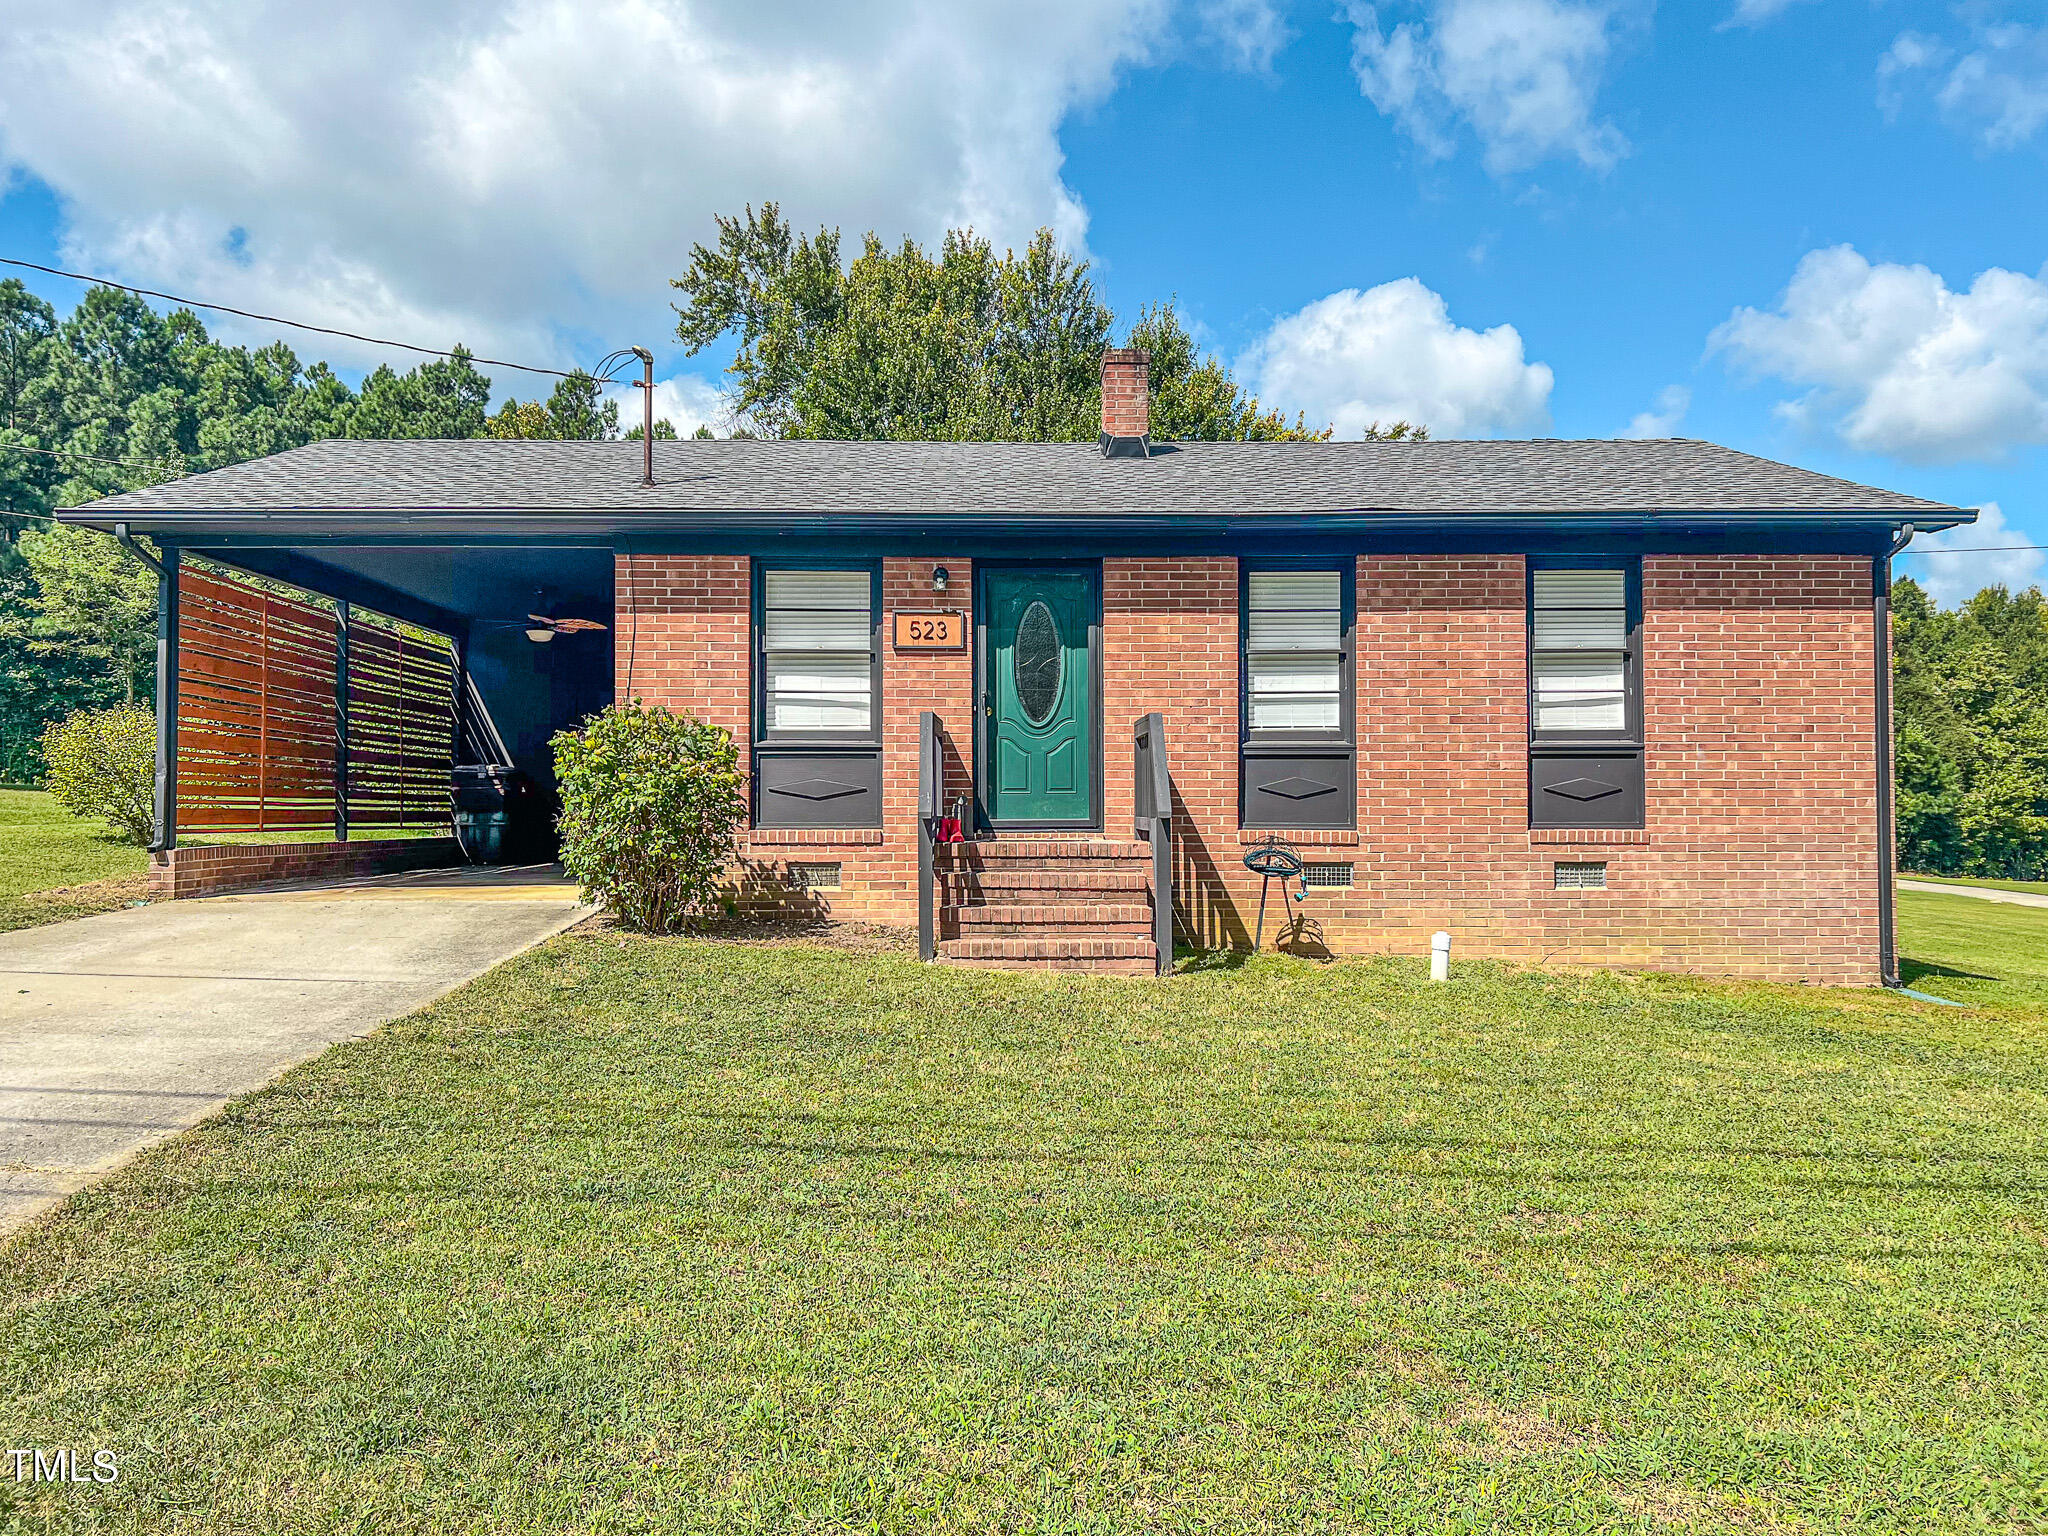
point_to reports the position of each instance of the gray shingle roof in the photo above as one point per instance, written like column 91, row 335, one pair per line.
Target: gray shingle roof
column 1054, row 479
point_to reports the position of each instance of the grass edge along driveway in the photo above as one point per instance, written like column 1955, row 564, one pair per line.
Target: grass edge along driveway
column 638, row 1234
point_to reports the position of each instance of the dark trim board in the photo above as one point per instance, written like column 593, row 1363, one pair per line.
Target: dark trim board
column 1588, row 778
column 1009, row 537
column 165, row 788
column 1299, row 779
column 819, row 779
column 984, row 694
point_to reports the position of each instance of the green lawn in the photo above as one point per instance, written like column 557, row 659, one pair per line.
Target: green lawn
column 2037, row 887
column 55, row 866
column 1973, row 951
column 43, row 847
column 637, row 1235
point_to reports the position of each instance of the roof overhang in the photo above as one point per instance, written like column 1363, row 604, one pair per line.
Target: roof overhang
column 1505, row 527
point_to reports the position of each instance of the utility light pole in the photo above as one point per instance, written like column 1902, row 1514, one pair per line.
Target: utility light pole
column 606, row 372
column 647, row 414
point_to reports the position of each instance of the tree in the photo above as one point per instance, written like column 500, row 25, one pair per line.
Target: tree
column 117, row 396
column 93, row 599
column 1194, row 399
column 572, row 413
column 964, row 345
column 38, row 684
column 443, row 398
column 1970, row 726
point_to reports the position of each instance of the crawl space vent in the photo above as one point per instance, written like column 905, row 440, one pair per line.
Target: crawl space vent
column 1581, row 877
column 815, row 877
column 1330, row 876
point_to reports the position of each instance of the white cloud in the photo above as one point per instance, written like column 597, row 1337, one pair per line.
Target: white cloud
column 509, row 170
column 1392, row 353
column 1754, row 13
column 1662, row 420
column 1995, row 85
column 1521, row 74
column 688, row 402
column 1953, row 578
column 1250, row 32
column 1898, row 362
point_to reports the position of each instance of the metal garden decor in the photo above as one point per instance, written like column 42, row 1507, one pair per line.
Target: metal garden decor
column 1275, row 859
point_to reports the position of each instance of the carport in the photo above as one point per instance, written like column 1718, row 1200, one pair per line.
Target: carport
column 309, row 685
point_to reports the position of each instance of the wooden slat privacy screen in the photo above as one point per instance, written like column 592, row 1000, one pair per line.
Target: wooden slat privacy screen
column 258, row 722
column 401, row 727
column 256, row 716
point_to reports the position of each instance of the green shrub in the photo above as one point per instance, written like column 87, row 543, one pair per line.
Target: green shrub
column 651, row 803
column 102, row 762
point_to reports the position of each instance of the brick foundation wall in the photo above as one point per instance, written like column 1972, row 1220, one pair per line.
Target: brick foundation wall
column 1759, row 856
column 211, row 869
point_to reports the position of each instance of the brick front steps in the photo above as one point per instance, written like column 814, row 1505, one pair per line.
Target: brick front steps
column 1047, row 903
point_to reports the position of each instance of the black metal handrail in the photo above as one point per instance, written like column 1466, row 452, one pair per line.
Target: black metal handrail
column 930, row 791
column 1152, row 807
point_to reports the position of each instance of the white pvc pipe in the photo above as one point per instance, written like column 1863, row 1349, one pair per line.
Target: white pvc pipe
column 1440, row 957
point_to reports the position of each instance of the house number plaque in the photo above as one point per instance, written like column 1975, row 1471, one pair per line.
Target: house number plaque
column 946, row 631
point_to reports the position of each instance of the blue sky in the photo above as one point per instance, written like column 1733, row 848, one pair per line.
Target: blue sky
column 1812, row 229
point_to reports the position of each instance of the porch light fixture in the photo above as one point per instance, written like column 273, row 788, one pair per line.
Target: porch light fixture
column 540, row 634
column 939, row 578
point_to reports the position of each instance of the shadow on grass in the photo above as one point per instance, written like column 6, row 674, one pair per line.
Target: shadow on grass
column 1190, row 962
column 1911, row 970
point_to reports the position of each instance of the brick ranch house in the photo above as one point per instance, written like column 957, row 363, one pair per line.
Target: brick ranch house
column 1618, row 703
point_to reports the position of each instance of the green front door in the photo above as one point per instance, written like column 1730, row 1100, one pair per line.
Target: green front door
column 1039, row 704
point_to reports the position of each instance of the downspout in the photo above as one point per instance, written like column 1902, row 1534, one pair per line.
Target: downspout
column 126, row 540
column 1881, row 617
column 166, row 790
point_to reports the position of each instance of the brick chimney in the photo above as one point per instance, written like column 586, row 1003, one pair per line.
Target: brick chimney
column 1126, row 402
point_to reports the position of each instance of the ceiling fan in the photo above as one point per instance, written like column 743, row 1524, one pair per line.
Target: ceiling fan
column 540, row 629
column 543, row 626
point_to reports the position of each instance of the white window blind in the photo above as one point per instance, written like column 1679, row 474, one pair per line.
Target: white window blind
column 1579, row 655
column 818, row 634
column 1294, row 651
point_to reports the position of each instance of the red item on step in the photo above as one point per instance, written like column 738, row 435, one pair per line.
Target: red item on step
column 949, row 830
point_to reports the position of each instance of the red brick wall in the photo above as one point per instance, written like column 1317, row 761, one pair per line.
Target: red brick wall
column 209, row 869
column 693, row 614
column 1169, row 643
column 684, row 638
column 1759, row 854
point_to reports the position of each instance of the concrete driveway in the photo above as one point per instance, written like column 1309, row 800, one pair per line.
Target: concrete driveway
column 118, row 1031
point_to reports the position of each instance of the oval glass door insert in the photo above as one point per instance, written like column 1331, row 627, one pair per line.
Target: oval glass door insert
column 1035, row 663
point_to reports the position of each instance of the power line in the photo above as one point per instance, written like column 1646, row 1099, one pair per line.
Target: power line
column 91, row 458
column 301, row 325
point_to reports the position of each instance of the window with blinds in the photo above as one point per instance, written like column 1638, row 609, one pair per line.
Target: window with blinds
column 1294, row 651
column 1586, row 749
column 1578, row 656
column 817, row 652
